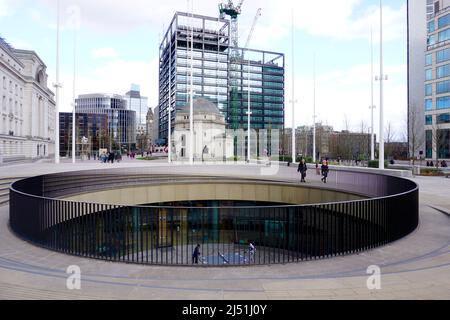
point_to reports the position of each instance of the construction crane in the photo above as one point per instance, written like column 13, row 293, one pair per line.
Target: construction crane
column 258, row 14
column 229, row 9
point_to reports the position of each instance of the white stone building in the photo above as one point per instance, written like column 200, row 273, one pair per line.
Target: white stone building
column 27, row 114
column 211, row 141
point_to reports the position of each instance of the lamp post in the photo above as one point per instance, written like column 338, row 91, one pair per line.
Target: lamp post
column 57, row 85
column 314, row 110
column 249, row 115
column 191, row 113
column 381, row 78
column 372, row 106
column 74, row 90
column 169, row 136
column 293, row 101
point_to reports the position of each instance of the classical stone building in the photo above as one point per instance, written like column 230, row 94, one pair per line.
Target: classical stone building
column 211, row 141
column 27, row 114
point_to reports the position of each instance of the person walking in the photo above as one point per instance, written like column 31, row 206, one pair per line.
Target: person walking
column 252, row 251
column 196, row 254
column 302, row 168
column 325, row 170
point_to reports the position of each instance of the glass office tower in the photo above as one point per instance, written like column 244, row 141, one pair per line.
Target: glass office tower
column 220, row 74
column 139, row 104
column 121, row 121
column 437, row 85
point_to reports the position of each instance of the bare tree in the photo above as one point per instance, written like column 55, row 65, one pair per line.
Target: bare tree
column 438, row 141
column 346, row 123
column 363, row 127
column 415, row 133
column 390, row 137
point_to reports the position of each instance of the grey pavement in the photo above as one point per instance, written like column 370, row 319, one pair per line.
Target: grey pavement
column 416, row 267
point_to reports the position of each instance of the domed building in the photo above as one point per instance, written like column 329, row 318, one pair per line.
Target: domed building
column 211, row 142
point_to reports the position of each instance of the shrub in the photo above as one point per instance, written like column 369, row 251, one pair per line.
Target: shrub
column 376, row 164
column 431, row 172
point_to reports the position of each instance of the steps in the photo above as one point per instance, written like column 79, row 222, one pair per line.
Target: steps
column 5, row 183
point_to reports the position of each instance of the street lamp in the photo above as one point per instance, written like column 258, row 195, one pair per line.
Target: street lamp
column 381, row 78
column 314, row 111
column 293, row 101
column 57, row 85
column 372, row 106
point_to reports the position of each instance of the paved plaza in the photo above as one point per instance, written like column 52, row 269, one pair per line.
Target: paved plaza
column 416, row 267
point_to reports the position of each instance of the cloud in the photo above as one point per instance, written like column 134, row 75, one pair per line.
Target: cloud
column 105, row 53
column 6, row 8
column 338, row 20
column 114, row 76
column 343, row 93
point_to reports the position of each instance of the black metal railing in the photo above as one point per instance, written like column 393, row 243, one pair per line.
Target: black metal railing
column 168, row 235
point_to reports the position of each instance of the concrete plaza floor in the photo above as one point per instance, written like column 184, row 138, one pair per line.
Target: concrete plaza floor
column 416, row 267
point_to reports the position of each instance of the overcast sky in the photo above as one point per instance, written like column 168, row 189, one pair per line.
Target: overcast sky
column 119, row 41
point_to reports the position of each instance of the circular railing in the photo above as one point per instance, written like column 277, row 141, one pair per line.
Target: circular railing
column 165, row 235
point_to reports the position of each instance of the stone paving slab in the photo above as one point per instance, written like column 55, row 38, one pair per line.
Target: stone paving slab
column 416, row 267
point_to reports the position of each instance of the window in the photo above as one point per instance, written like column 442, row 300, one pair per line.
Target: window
column 443, row 55
column 428, row 104
column 432, row 39
column 431, row 27
column 428, row 120
column 443, row 118
column 428, row 90
column 429, row 143
column 443, row 21
column 443, row 35
column 443, row 87
column 443, row 71
column 428, row 74
column 443, row 103
column 428, row 59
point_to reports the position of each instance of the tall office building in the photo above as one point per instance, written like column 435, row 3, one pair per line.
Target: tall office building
column 220, row 74
column 437, row 83
column 426, row 65
column 139, row 104
column 121, row 121
column 27, row 112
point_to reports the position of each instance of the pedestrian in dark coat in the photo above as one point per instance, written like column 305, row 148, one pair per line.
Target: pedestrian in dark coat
column 325, row 171
column 302, row 168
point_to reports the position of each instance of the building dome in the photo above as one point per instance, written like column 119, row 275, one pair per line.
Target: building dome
column 201, row 106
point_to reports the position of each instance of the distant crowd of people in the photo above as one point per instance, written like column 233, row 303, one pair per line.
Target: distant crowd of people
column 442, row 164
column 110, row 157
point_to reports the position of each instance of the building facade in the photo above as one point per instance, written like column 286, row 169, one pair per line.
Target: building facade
column 437, row 84
column 222, row 74
column 27, row 114
column 139, row 104
column 121, row 121
column 329, row 143
column 211, row 141
column 92, row 126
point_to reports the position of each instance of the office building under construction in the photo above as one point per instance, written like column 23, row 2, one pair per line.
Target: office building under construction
column 221, row 74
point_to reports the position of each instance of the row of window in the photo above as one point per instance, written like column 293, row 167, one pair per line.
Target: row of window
column 441, row 87
column 443, row 118
column 13, row 88
column 441, row 36
column 441, row 72
column 441, row 103
column 14, row 107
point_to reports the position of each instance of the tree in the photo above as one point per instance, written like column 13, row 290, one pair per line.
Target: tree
column 415, row 132
column 389, row 134
column 438, row 141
